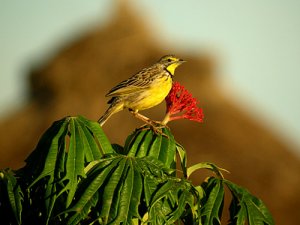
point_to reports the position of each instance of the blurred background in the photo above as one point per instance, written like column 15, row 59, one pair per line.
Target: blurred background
column 60, row 58
column 256, row 45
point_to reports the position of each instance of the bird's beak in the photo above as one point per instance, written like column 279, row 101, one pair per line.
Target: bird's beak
column 181, row 61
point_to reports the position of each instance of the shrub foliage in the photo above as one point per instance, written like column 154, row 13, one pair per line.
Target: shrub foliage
column 76, row 176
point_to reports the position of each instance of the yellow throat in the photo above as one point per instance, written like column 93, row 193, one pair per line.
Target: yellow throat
column 171, row 68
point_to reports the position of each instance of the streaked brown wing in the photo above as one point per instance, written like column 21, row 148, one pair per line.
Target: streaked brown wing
column 137, row 82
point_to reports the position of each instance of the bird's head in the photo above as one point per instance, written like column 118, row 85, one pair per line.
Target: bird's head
column 170, row 62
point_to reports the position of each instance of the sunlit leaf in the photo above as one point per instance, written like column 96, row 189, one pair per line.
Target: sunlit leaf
column 133, row 142
column 98, row 134
column 212, row 203
column 58, row 162
column 167, row 152
column 87, row 193
column 145, row 142
column 206, row 165
column 183, row 159
column 246, row 208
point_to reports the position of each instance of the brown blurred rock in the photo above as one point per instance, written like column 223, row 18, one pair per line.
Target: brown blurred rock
column 77, row 78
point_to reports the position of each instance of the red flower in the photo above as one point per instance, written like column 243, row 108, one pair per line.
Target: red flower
column 182, row 105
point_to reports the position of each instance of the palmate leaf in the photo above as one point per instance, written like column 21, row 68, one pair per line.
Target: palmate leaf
column 121, row 189
column 153, row 173
column 212, row 203
column 87, row 194
column 117, row 183
column 11, row 198
column 246, row 208
column 58, row 162
column 112, row 181
column 145, row 142
column 174, row 200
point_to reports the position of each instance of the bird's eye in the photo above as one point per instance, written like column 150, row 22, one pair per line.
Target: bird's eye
column 169, row 60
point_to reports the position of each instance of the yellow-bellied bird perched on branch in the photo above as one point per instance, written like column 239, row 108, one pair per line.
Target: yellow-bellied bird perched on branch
column 145, row 89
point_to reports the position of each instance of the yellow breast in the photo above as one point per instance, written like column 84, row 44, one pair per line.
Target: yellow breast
column 154, row 95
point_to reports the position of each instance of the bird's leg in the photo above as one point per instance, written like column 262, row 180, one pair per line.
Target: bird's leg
column 141, row 117
column 151, row 123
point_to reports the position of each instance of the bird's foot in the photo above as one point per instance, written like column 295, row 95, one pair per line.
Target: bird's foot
column 155, row 126
column 158, row 124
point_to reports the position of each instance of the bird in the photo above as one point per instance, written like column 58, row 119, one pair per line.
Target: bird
column 145, row 89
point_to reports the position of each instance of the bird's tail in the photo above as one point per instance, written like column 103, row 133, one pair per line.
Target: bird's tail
column 115, row 107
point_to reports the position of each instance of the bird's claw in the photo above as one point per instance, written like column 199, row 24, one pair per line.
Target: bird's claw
column 155, row 126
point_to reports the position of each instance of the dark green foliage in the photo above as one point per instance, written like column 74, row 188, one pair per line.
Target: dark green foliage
column 55, row 167
column 246, row 207
column 76, row 176
column 11, row 198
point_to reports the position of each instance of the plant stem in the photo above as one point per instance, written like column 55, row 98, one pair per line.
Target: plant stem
column 166, row 119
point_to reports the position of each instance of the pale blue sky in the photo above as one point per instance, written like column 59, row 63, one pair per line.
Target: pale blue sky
column 257, row 44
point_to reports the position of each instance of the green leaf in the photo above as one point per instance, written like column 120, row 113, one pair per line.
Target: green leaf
column 212, row 203
column 132, row 145
column 206, row 165
column 246, row 208
column 98, row 134
column 185, row 200
column 112, row 180
column 183, row 159
column 75, row 161
column 118, row 149
column 137, row 192
column 51, row 146
column 155, row 147
column 122, row 188
column 58, row 162
column 42, row 161
column 149, row 185
column 87, row 195
column 168, row 149
column 123, row 215
column 145, row 142
column 91, row 148
column 174, row 200
column 11, row 198
column 109, row 191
